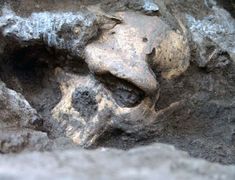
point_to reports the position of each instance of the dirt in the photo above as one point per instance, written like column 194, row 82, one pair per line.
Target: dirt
column 198, row 107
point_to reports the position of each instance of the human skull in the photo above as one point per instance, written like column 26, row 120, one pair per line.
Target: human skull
column 120, row 89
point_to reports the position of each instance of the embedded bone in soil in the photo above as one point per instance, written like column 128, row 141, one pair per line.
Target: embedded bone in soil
column 116, row 75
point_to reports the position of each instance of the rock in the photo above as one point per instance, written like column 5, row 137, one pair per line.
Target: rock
column 67, row 31
column 15, row 140
column 149, row 7
column 15, row 110
column 211, row 56
column 18, row 121
column 156, row 162
column 219, row 27
column 228, row 5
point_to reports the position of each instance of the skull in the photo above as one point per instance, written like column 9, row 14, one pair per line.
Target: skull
column 120, row 89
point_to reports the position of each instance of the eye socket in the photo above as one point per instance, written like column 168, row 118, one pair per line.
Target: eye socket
column 124, row 93
column 84, row 101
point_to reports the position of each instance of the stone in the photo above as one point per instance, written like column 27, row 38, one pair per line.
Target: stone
column 67, row 31
column 211, row 56
column 15, row 110
column 18, row 123
column 16, row 140
column 156, row 162
column 149, row 7
column 219, row 27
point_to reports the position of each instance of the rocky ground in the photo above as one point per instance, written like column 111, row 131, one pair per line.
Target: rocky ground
column 157, row 161
column 78, row 75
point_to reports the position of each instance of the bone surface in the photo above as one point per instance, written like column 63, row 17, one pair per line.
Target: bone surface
column 111, row 76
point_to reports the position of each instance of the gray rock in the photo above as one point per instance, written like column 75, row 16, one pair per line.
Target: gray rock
column 219, row 27
column 211, row 56
column 68, row 31
column 15, row 110
column 16, row 140
column 150, row 6
column 155, row 162
column 17, row 124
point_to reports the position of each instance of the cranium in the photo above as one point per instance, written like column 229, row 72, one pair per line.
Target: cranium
column 119, row 90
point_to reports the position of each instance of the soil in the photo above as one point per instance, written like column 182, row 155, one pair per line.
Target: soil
column 203, row 123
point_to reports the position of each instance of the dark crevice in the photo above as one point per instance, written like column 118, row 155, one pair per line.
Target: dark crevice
column 229, row 5
column 125, row 94
column 30, row 70
column 115, row 138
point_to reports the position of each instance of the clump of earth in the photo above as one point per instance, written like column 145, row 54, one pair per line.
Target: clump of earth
column 92, row 81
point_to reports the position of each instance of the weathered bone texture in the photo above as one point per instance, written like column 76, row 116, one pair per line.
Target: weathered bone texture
column 128, row 46
column 123, row 52
column 117, row 73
